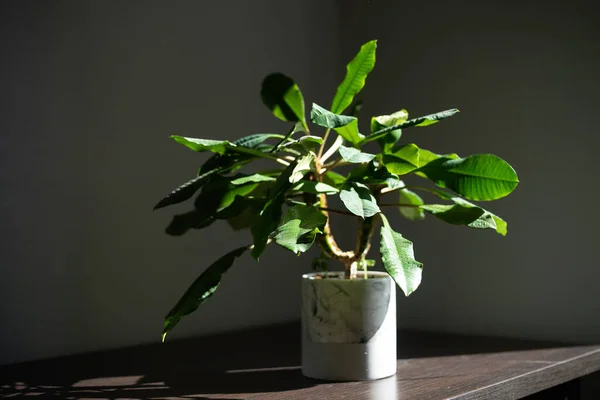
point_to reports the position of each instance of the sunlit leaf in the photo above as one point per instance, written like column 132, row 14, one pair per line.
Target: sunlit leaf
column 398, row 259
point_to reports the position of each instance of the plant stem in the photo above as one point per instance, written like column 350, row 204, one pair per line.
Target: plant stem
column 333, row 210
column 323, row 144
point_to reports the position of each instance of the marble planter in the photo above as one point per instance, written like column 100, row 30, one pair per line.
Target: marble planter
column 348, row 326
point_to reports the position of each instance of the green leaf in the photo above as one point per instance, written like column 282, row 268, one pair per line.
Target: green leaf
column 326, row 119
column 221, row 146
column 355, row 156
column 358, row 199
column 356, row 74
column 303, row 143
column 419, row 122
column 314, row 187
column 217, row 164
column 332, row 178
column 243, row 213
column 303, row 165
column 409, row 157
column 350, row 132
column 477, row 177
column 486, row 220
column 202, row 288
column 271, row 214
column 383, row 121
column 283, row 97
column 188, row 189
column 398, row 259
column 456, row 214
column 255, row 178
column 299, row 229
column 412, row 213
column 373, row 175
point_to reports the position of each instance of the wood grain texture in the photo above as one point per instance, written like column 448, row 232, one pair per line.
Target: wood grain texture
column 265, row 364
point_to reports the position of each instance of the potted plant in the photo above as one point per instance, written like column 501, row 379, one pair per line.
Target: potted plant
column 348, row 317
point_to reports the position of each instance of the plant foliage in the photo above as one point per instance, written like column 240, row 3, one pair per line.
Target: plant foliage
column 287, row 204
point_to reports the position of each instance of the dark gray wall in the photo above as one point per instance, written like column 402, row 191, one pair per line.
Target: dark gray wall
column 90, row 92
column 525, row 76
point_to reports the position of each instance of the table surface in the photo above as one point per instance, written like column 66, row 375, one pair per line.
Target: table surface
column 264, row 363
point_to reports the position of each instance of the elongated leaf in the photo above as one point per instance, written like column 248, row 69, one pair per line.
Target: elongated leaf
column 409, row 157
column 355, row 156
column 456, row 214
column 487, row 219
column 411, row 198
column 350, row 132
column 271, row 214
column 383, row 121
column 419, row 122
column 300, row 227
column 255, row 178
column 398, row 259
column 303, row 143
column 314, row 187
column 356, row 74
column 219, row 146
column 477, row 177
column 283, row 97
column 358, row 199
column 334, row 179
column 303, row 165
column 202, row 288
column 369, row 174
column 325, row 118
column 188, row 189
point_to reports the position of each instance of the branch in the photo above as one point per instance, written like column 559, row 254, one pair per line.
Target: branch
column 336, row 211
column 397, row 205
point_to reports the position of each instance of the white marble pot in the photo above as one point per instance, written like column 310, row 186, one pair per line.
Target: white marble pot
column 348, row 326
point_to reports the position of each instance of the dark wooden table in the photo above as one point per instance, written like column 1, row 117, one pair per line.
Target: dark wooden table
column 265, row 364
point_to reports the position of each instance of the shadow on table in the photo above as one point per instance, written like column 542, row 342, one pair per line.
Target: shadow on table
column 236, row 365
column 201, row 386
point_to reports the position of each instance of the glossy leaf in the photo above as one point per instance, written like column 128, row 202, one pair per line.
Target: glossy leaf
column 356, row 73
column 398, row 259
column 358, row 199
column 188, row 189
column 271, row 214
column 355, row 156
column 350, row 132
column 406, row 196
column 409, row 157
column 369, row 174
column 303, row 143
column 326, row 119
column 419, row 122
column 477, row 177
column 457, row 214
column 283, row 97
column 254, row 178
column 383, row 121
column 314, row 187
column 300, row 227
column 302, row 166
column 333, row 178
column 486, row 219
column 202, row 288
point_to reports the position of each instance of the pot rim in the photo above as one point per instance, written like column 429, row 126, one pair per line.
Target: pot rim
column 339, row 276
